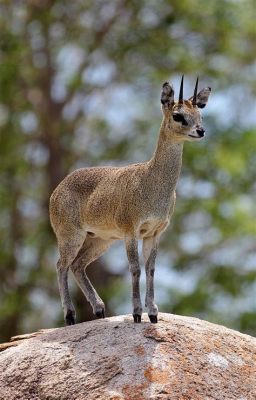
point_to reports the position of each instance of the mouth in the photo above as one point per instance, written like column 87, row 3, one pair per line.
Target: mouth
column 196, row 137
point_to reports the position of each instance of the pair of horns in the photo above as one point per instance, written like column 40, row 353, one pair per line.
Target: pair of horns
column 181, row 92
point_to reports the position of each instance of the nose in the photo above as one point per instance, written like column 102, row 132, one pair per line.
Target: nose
column 200, row 131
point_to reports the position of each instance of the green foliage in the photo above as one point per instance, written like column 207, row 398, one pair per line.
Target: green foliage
column 79, row 85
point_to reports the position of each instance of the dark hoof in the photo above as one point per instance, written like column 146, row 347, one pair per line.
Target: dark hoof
column 153, row 319
column 70, row 318
column 137, row 318
column 100, row 314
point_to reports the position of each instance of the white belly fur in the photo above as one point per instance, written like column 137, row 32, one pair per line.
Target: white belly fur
column 149, row 228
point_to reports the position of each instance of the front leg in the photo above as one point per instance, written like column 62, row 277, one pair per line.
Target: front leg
column 133, row 258
column 150, row 246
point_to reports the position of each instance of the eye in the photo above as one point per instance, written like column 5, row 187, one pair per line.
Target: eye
column 179, row 118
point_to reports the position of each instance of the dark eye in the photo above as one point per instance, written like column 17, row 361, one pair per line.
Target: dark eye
column 179, row 118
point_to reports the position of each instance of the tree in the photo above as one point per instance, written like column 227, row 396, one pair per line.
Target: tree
column 77, row 83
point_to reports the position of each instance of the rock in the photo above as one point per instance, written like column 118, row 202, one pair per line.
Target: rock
column 179, row 358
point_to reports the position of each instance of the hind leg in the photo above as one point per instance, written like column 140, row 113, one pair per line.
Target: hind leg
column 69, row 248
column 92, row 249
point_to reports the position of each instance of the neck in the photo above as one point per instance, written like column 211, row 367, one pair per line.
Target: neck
column 167, row 158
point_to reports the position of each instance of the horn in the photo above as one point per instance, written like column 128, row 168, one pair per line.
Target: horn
column 181, row 91
column 195, row 93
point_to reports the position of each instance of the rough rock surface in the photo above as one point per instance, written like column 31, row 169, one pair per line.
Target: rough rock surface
column 178, row 358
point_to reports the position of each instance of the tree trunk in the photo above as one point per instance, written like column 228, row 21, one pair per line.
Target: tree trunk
column 178, row 358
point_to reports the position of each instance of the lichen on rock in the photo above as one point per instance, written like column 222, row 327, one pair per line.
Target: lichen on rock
column 179, row 358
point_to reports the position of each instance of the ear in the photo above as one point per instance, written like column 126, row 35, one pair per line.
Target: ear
column 167, row 96
column 202, row 97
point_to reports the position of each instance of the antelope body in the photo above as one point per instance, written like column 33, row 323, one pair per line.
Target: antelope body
column 93, row 207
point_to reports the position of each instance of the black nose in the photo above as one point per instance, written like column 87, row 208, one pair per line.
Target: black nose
column 200, row 131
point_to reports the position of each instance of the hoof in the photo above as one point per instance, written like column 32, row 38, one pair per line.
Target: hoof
column 137, row 318
column 153, row 319
column 100, row 314
column 70, row 318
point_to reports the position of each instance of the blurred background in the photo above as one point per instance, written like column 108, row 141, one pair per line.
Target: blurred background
column 80, row 85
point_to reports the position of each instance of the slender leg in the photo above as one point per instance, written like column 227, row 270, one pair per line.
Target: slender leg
column 68, row 252
column 133, row 258
column 92, row 249
column 150, row 246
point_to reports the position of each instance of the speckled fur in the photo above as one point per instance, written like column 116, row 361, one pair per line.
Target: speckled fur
column 92, row 207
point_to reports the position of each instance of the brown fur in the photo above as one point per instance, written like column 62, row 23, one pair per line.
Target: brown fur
column 92, row 207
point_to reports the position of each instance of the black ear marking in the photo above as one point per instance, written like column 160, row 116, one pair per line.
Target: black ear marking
column 202, row 97
column 167, row 95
